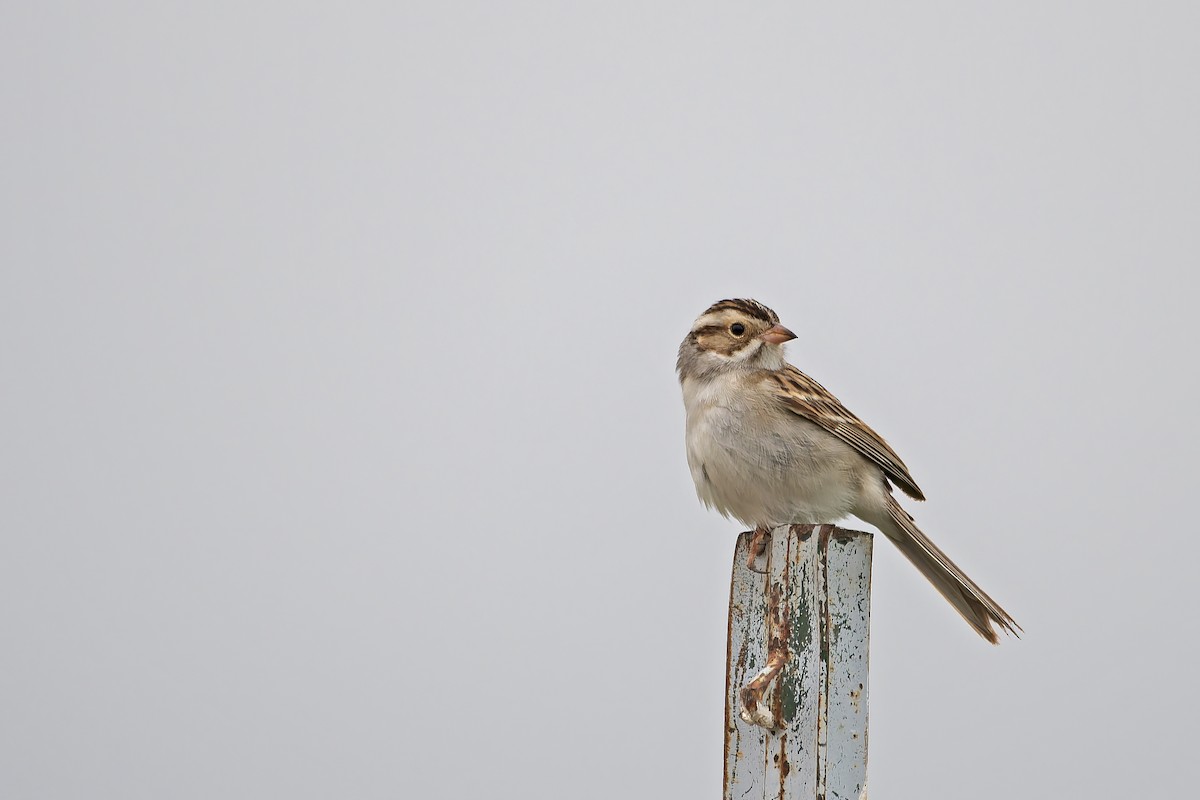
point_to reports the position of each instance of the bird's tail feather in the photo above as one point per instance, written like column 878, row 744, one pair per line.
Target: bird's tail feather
column 979, row 610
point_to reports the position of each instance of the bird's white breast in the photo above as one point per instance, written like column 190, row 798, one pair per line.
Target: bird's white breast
column 753, row 460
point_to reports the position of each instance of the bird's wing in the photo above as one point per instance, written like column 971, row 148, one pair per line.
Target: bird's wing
column 804, row 397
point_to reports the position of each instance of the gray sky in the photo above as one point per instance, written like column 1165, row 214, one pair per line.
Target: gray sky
column 339, row 436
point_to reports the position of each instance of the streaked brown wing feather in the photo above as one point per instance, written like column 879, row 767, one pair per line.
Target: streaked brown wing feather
column 805, row 397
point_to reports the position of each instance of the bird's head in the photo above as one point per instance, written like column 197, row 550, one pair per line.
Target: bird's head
column 733, row 335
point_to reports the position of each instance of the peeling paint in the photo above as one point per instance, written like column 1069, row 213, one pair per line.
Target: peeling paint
column 806, row 621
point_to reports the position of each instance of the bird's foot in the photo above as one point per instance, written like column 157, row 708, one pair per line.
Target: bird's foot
column 757, row 549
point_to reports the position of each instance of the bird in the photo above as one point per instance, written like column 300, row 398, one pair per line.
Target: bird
column 768, row 446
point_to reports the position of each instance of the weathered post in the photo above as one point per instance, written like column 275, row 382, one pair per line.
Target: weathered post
column 796, row 673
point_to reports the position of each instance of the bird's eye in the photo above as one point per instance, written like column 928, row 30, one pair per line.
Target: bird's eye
column 737, row 329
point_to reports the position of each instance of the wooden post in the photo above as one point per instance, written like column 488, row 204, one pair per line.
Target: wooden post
column 796, row 672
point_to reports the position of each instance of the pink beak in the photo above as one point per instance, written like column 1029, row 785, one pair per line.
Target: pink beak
column 777, row 334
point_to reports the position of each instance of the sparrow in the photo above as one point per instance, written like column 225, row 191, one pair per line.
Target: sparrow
column 769, row 446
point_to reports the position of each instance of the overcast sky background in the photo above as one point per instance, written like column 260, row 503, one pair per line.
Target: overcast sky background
column 341, row 449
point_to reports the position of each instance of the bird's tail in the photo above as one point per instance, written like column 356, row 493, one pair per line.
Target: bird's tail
column 979, row 610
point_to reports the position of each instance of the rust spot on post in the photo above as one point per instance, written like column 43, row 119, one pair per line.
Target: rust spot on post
column 778, row 631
